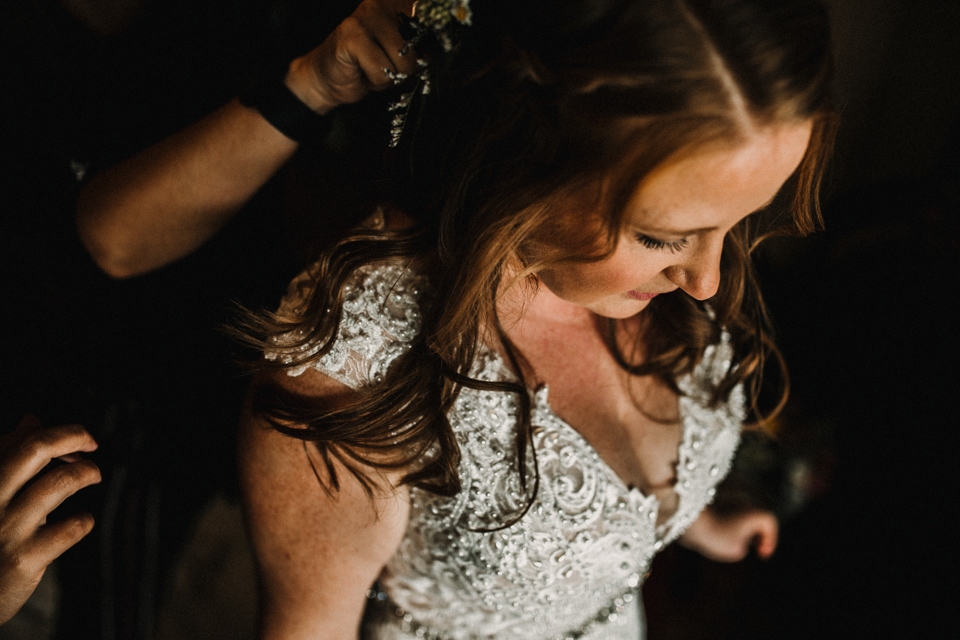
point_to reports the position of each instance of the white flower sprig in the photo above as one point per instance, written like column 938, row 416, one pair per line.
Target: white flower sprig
column 440, row 18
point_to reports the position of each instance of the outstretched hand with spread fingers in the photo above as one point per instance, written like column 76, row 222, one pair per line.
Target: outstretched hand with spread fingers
column 28, row 543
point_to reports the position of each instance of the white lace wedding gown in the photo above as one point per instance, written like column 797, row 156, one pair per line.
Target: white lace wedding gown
column 571, row 567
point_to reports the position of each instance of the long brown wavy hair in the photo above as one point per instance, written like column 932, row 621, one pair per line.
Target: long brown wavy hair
column 543, row 100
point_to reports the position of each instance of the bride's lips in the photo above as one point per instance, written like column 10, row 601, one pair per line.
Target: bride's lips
column 642, row 295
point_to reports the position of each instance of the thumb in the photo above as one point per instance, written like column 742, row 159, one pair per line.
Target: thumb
column 762, row 527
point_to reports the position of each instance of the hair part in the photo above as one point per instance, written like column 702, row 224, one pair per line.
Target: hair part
column 528, row 112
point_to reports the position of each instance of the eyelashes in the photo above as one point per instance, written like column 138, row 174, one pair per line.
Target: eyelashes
column 661, row 245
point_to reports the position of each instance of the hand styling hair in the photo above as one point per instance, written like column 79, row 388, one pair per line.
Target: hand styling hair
column 542, row 101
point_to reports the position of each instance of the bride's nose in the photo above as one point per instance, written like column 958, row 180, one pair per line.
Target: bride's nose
column 698, row 273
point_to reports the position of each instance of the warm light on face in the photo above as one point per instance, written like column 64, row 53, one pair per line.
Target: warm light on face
column 675, row 223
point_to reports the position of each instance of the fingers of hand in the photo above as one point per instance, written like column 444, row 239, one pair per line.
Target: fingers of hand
column 16, row 587
column 28, row 511
column 23, row 562
column 756, row 529
column 29, row 556
column 27, row 451
column 765, row 531
column 362, row 53
column 377, row 53
column 729, row 539
column 730, row 547
column 27, row 544
column 53, row 539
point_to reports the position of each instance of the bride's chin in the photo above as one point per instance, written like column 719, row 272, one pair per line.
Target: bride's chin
column 620, row 310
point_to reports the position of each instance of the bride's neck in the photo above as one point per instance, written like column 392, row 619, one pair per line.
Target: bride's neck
column 525, row 300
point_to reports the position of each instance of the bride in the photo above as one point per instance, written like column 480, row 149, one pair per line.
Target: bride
column 481, row 414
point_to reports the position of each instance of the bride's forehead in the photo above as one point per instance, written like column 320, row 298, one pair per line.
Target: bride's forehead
column 739, row 175
column 747, row 172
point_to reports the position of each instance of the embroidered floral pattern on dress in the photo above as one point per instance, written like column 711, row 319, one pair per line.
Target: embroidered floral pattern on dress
column 587, row 540
column 381, row 316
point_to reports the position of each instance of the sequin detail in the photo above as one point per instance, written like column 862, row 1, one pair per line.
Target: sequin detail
column 587, row 539
column 381, row 316
column 619, row 609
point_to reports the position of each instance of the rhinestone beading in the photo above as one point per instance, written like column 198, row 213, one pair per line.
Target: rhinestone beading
column 587, row 539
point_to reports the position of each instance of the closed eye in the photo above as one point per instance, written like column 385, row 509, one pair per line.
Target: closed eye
column 661, row 245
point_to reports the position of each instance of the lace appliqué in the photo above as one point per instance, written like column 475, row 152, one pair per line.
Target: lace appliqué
column 587, row 539
column 710, row 436
column 381, row 317
column 623, row 612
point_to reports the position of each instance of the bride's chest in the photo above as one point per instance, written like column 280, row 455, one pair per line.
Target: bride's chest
column 570, row 490
column 632, row 422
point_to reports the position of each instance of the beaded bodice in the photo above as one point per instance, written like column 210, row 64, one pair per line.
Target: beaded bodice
column 565, row 567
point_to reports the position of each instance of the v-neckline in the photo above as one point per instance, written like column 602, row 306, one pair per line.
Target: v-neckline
column 542, row 402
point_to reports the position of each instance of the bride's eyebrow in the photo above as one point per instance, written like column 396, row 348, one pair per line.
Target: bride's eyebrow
column 674, row 232
column 690, row 232
column 653, row 228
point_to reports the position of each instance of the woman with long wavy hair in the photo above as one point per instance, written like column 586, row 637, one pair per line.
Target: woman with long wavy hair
column 482, row 413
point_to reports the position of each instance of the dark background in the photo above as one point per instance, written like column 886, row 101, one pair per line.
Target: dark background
column 866, row 313
column 868, row 319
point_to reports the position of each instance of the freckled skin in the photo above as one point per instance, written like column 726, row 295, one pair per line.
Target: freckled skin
column 684, row 208
column 693, row 200
column 318, row 552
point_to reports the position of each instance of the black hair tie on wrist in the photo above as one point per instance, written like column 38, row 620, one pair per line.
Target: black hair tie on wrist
column 284, row 111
